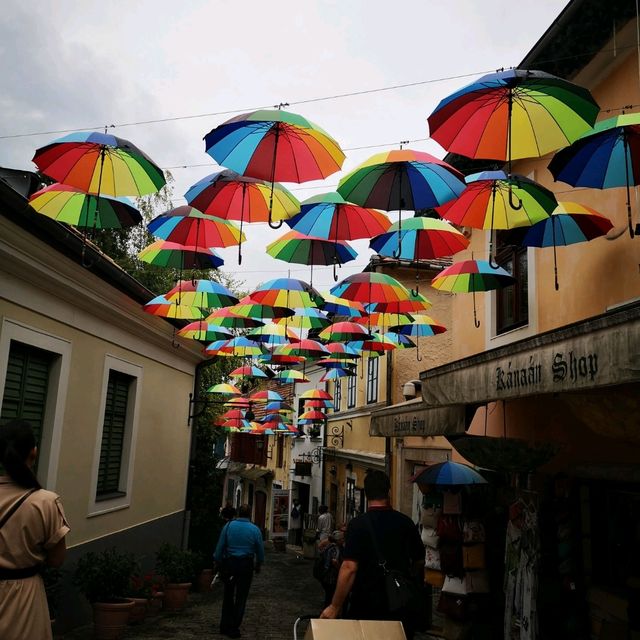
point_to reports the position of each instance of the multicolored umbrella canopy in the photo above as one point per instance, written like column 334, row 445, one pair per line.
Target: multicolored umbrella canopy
column 570, row 223
column 224, row 388
column 272, row 335
column 248, row 371
column 306, row 348
column 316, row 394
column 162, row 253
column 296, row 247
column 401, row 341
column 227, row 194
column 342, row 306
column 334, row 374
column 305, row 318
column 606, row 156
column 275, row 145
column 71, row 205
column 421, row 326
column 513, row 114
column 376, row 343
column 344, row 332
column 368, row 287
column 252, row 309
column 337, row 363
column 339, row 350
column 202, row 330
column 417, row 303
column 488, row 203
column 240, row 346
column 471, row 276
column 266, row 395
column 188, row 226
column 271, row 358
column 290, row 375
column 448, row 474
column 226, row 318
column 383, row 319
column 100, row 163
column 287, row 292
column 206, row 294
column 162, row 307
column 313, row 415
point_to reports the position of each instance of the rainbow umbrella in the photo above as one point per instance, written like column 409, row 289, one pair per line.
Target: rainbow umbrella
column 472, row 275
column 607, row 156
column 279, row 406
column 274, row 145
column 339, row 350
column 271, row 358
column 448, row 474
column 223, row 388
column 342, row 306
column 334, row 374
column 570, row 223
column 422, row 326
column 237, row 403
column 241, row 347
column 382, row 319
column 368, row 287
column 229, row 195
column 417, row 303
column 401, row 341
column 488, row 203
column 225, row 318
column 202, row 330
column 305, row 348
column 162, row 307
column 71, row 205
column 252, row 309
column 305, row 318
column 344, row 332
column 206, row 294
column 216, row 348
column 336, row 363
column 376, row 343
column 331, row 217
column 100, row 163
column 401, row 180
column 318, row 403
column 296, row 247
column 513, row 114
column 266, row 395
column 273, row 334
column 290, row 375
column 248, row 371
column 312, row 416
column 287, row 292
column 177, row 256
column 316, row 394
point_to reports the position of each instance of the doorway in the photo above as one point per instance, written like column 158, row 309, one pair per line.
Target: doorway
column 260, row 512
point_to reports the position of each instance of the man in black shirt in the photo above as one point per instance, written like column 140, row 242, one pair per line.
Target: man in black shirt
column 399, row 542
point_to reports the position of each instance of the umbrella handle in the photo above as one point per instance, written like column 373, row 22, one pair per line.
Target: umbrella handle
column 274, row 226
column 85, row 264
column 418, row 356
column 416, row 291
column 174, row 343
column 335, row 273
column 517, row 205
column 476, row 322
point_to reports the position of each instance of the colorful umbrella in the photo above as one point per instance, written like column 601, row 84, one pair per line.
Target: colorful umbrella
column 370, row 287
column 316, row 394
column 334, row 374
column 223, row 388
column 339, row 350
column 331, row 217
column 605, row 157
column 71, row 205
column 570, row 223
column 266, row 395
column 312, row 416
column 274, row 145
column 417, row 303
column 305, row 348
column 287, row 292
column 279, row 406
column 271, row 358
column 318, row 403
column 448, row 474
column 248, row 371
column 290, row 375
column 337, row 363
column 171, row 254
column 305, row 318
column 382, row 319
column 202, row 330
column 513, row 114
column 342, row 306
column 344, row 332
column 301, row 249
column 422, row 326
column 241, row 347
column 206, row 294
column 100, row 163
column 401, row 341
column 273, row 334
column 472, row 275
column 229, row 195
column 488, row 203
column 162, row 307
column 225, row 318
column 252, row 309
column 401, row 180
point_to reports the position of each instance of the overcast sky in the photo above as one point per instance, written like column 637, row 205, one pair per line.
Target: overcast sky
column 85, row 64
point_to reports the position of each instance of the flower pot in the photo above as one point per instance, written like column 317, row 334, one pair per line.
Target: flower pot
column 139, row 611
column 110, row 619
column 175, row 596
column 204, row 580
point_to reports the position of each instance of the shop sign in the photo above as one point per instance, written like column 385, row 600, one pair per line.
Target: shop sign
column 419, row 421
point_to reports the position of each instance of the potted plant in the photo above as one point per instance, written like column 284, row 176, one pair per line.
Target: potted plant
column 177, row 568
column 104, row 580
column 141, row 587
column 203, row 571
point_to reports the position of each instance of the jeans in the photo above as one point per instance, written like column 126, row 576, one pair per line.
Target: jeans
column 236, row 591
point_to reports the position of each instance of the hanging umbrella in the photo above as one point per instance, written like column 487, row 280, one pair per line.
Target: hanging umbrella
column 376, row 343
column 296, row 247
column 401, row 341
column 305, row 318
column 206, row 294
column 100, row 163
column 271, row 358
column 331, row 217
column 472, row 275
column 290, row 375
column 71, row 205
column 265, row 396
column 271, row 335
column 488, row 203
column 334, row 374
column 318, row 403
column 342, row 306
column 225, row 318
column 402, row 180
column 312, row 416
column 344, row 332
column 252, row 309
column 513, row 114
column 279, row 406
column 420, row 238
column 570, row 223
column 177, row 256
column 339, row 350
column 382, row 319
column 229, row 195
column 274, row 145
column 202, row 330
column 605, row 157
column 447, row 474
column 216, row 348
column 287, row 292
column 416, row 303
column 162, row 307
column 241, row 347
column 316, row 394
column 422, row 326
column 305, row 348
column 370, row 287
column 223, row 388
column 336, row 363
column 248, row 371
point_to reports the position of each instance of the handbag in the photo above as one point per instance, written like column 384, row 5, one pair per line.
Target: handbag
column 432, row 558
column 429, row 537
column 454, row 585
column 473, row 556
column 473, row 531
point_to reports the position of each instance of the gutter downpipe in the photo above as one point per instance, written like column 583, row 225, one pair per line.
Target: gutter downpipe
column 389, row 400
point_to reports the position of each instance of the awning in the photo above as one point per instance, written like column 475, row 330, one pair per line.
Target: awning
column 250, row 472
column 415, row 418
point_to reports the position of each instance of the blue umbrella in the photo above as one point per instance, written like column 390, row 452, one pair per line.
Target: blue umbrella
column 448, row 474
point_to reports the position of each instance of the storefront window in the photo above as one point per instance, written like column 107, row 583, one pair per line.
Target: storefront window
column 512, row 302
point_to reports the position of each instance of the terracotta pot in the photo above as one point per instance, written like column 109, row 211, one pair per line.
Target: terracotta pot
column 110, row 619
column 204, row 580
column 139, row 611
column 175, row 596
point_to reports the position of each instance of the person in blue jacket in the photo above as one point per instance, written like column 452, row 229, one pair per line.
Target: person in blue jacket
column 240, row 546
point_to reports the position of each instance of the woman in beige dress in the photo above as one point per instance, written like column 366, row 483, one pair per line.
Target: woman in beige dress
column 32, row 534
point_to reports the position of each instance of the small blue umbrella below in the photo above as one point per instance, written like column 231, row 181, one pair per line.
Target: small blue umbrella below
column 448, row 474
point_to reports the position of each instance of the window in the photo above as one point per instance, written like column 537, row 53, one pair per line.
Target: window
column 351, row 392
column 372, row 379
column 337, row 395
column 512, row 302
column 280, row 452
column 113, row 433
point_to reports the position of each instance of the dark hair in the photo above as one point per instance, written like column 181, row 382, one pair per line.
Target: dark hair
column 244, row 511
column 376, row 485
column 16, row 442
column 323, row 508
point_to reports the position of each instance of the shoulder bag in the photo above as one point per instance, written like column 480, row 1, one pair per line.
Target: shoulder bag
column 15, row 507
column 26, row 572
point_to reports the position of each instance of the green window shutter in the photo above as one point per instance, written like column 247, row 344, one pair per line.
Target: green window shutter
column 113, row 432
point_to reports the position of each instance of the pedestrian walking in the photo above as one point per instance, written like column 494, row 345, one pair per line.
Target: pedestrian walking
column 228, row 512
column 32, row 534
column 295, row 523
column 239, row 553
column 361, row 575
column 327, row 564
column 325, row 523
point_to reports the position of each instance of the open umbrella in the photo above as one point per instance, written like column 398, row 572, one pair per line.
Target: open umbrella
column 274, row 145
column 305, row 318
column 223, row 388
column 164, row 308
column 265, row 396
column 368, row 287
column 316, row 394
column 344, row 332
column 202, row 330
column 71, row 205
column 472, row 275
column 401, row 180
column 287, row 292
column 248, row 371
column 342, row 307
column 240, row 346
column 227, row 194
column 177, row 256
column 223, row 317
column 271, row 335
column 421, row 326
column 569, row 223
column 448, row 474
column 206, row 294
column 513, row 113
column 290, row 375
column 606, row 156
column 296, row 247
column 331, row 217
column 252, row 309
column 488, row 203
